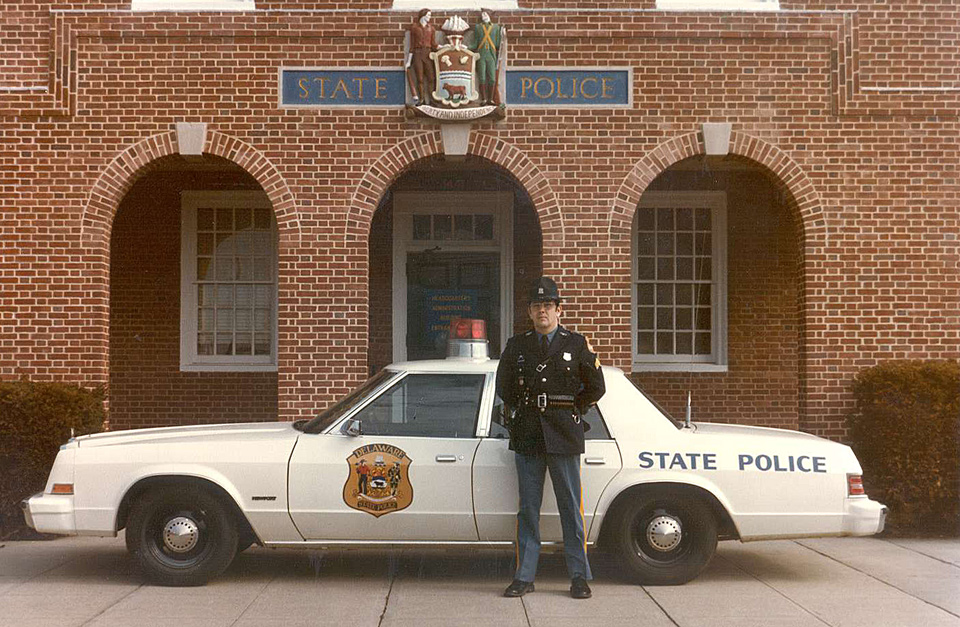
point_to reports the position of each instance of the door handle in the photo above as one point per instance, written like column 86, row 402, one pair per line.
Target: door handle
column 594, row 461
column 446, row 458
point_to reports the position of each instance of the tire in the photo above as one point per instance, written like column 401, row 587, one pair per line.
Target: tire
column 644, row 537
column 203, row 548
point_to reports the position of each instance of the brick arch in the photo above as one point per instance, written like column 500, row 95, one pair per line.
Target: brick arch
column 790, row 178
column 138, row 160
column 395, row 161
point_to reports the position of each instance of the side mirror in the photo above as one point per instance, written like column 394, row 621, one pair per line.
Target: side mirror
column 351, row 427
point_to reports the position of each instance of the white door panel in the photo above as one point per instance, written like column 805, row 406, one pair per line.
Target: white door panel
column 439, row 475
column 495, row 489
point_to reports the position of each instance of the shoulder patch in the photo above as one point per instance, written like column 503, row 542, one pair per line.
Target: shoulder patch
column 596, row 363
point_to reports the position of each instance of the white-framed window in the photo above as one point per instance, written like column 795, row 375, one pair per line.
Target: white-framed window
column 228, row 282
column 719, row 5
column 679, row 281
column 192, row 5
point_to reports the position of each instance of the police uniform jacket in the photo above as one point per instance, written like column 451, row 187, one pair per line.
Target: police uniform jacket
column 549, row 395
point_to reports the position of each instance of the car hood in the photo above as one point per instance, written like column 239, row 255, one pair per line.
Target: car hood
column 197, row 433
column 749, row 436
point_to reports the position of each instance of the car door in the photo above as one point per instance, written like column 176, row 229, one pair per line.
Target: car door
column 495, row 481
column 406, row 477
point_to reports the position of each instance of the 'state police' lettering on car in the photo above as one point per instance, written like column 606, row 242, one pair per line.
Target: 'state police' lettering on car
column 708, row 461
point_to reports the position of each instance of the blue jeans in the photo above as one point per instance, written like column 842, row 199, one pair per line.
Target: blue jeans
column 565, row 476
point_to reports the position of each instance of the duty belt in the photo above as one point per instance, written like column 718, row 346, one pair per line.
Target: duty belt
column 562, row 401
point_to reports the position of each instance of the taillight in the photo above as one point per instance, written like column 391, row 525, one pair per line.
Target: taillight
column 855, row 485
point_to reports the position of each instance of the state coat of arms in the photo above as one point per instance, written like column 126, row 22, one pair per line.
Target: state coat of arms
column 378, row 481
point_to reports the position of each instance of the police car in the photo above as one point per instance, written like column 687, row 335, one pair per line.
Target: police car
column 417, row 456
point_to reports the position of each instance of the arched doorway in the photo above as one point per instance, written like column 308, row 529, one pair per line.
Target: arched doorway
column 193, row 293
column 716, row 290
column 450, row 238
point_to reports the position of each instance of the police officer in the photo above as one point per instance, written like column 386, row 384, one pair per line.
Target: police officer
column 548, row 378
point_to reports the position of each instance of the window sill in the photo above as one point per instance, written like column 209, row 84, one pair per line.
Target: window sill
column 679, row 367
column 228, row 367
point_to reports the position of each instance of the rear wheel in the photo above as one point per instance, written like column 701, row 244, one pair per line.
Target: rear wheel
column 181, row 536
column 664, row 538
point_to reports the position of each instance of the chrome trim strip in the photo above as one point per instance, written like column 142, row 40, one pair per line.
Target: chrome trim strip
column 425, row 544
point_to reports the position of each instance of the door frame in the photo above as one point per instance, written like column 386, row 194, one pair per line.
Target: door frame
column 406, row 204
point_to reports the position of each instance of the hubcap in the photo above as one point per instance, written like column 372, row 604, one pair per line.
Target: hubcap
column 180, row 534
column 664, row 533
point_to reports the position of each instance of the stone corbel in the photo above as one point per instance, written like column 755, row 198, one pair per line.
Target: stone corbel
column 716, row 138
column 191, row 138
column 456, row 139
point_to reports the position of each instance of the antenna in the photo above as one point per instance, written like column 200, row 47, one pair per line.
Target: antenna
column 686, row 422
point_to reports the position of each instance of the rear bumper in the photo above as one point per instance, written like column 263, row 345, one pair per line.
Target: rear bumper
column 864, row 517
column 50, row 513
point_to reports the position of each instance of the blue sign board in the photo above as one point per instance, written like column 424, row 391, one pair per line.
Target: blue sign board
column 342, row 88
column 569, row 88
column 443, row 305
column 536, row 87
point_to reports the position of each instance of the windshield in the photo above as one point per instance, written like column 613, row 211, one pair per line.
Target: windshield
column 330, row 415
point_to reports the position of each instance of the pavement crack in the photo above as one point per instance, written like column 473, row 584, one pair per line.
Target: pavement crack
column 803, row 609
column 394, row 569
column 875, row 578
column 657, row 603
column 112, row 605
column 254, row 600
column 919, row 552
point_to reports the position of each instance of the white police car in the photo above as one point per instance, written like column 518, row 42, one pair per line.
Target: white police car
column 417, row 456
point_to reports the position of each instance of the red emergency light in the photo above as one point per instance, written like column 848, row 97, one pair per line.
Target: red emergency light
column 468, row 339
column 468, row 329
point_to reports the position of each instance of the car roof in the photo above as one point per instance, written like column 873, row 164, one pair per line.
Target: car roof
column 454, row 364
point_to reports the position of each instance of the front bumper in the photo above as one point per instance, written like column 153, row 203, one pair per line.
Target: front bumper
column 864, row 517
column 50, row 513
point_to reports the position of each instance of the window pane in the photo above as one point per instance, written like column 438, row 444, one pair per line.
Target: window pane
column 261, row 320
column 261, row 219
column 645, row 294
column 244, row 269
column 703, row 319
column 204, row 243
column 244, row 296
column 645, row 343
column 664, row 219
column 224, row 243
column 684, row 219
column 225, row 320
column 204, row 219
column 426, row 405
column 204, row 269
column 205, row 295
column 704, row 269
column 224, row 343
column 665, row 294
column 665, row 243
column 224, row 219
column 224, row 296
column 646, row 268
column 264, row 295
column 704, row 244
column 665, row 269
column 261, row 269
column 684, row 343
column 684, row 268
column 702, row 295
column 684, row 318
column 244, row 343
column 442, row 226
column 244, row 321
column 645, row 220
column 463, row 227
column 684, row 243
column 205, row 323
column 244, row 217
column 421, row 227
column 645, row 243
column 484, row 227
column 703, row 219
column 703, row 344
column 261, row 344
column 664, row 343
column 224, row 268
column 645, row 318
column 684, row 294
column 205, row 343
column 664, row 318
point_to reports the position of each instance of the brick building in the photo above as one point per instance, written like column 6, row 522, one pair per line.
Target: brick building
column 171, row 228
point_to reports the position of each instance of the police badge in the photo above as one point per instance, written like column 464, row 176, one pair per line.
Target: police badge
column 378, row 480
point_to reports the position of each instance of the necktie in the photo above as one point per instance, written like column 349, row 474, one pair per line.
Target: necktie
column 544, row 346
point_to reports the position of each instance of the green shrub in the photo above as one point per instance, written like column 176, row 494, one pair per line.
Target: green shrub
column 906, row 433
column 35, row 419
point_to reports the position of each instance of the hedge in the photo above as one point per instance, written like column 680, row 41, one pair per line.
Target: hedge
column 35, row 419
column 905, row 431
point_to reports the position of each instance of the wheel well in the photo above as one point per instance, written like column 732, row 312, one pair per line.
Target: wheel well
column 244, row 530
column 726, row 529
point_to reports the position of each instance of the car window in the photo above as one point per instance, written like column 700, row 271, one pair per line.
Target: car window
column 597, row 430
column 330, row 415
column 426, row 405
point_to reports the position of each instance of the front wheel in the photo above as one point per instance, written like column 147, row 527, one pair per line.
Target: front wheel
column 665, row 538
column 181, row 536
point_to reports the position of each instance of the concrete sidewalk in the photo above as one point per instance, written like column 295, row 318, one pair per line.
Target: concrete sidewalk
column 851, row 582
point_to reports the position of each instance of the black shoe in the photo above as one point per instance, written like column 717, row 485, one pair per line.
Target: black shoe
column 518, row 588
column 579, row 588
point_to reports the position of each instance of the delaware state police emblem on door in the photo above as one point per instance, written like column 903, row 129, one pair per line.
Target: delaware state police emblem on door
column 379, row 480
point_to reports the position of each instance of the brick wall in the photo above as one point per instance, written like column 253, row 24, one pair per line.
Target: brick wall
column 836, row 106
